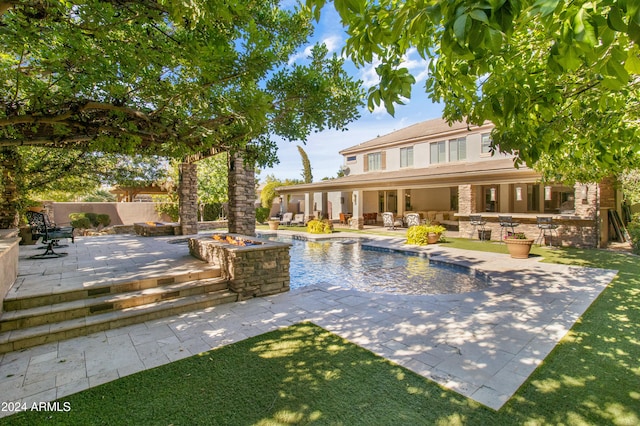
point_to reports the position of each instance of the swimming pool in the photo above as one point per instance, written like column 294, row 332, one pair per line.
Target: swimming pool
column 355, row 265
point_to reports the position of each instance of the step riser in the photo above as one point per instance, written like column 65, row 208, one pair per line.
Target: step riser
column 52, row 299
column 109, row 306
column 131, row 318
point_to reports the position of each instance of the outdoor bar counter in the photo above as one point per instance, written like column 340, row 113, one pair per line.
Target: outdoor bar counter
column 571, row 230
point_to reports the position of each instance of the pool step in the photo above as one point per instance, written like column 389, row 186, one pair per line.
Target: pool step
column 40, row 324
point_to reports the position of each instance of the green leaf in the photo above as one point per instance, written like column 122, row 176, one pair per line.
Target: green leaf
column 460, row 27
column 479, row 15
column 614, row 19
column 545, row 7
column 632, row 64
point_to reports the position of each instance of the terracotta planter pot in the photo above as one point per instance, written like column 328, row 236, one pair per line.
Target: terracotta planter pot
column 273, row 224
column 518, row 249
column 433, row 238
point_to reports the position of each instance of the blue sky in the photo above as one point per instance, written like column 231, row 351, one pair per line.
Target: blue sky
column 322, row 148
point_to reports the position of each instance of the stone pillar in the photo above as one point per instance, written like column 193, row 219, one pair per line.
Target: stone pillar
column 242, row 196
column 466, row 199
column 10, row 167
column 188, row 198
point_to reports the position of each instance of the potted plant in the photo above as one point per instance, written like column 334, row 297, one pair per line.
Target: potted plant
column 273, row 224
column 424, row 234
column 518, row 245
column 434, row 232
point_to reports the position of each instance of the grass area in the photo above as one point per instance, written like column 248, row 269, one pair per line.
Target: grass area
column 304, row 374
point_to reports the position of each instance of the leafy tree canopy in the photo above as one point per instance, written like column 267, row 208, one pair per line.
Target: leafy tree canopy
column 59, row 175
column 269, row 193
column 173, row 78
column 560, row 80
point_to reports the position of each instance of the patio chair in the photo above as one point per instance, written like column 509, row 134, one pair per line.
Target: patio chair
column 478, row 223
column 389, row 221
column 412, row 219
column 506, row 222
column 298, row 219
column 547, row 229
column 343, row 219
column 42, row 227
column 286, row 219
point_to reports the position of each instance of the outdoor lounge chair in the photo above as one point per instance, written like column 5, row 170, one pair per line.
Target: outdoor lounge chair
column 298, row 219
column 389, row 221
column 286, row 219
column 412, row 219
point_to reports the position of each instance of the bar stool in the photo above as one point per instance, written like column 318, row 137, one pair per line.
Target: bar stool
column 547, row 228
column 506, row 222
column 477, row 222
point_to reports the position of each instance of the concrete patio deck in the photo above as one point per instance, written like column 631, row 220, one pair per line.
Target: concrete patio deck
column 483, row 345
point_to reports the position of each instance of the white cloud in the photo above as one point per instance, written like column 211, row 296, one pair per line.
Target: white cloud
column 333, row 43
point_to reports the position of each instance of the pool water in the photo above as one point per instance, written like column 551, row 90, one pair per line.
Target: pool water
column 354, row 265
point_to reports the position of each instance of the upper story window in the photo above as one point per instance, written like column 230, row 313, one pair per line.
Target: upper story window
column 458, row 149
column 374, row 161
column 351, row 159
column 406, row 157
column 438, row 152
column 485, row 147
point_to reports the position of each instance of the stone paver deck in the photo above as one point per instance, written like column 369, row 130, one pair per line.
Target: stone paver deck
column 483, row 345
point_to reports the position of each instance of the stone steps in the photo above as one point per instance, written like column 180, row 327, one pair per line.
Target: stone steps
column 32, row 325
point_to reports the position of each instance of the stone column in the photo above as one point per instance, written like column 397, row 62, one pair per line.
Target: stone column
column 188, row 198
column 10, row 167
column 466, row 199
column 242, row 196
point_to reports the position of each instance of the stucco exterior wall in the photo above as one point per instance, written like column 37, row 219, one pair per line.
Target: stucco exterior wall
column 120, row 213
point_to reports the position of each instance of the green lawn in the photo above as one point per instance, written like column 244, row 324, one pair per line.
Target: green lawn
column 304, row 374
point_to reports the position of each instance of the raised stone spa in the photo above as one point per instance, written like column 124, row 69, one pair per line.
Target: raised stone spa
column 253, row 268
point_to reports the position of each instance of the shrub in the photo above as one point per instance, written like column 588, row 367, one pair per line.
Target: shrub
column 634, row 232
column 103, row 219
column 418, row 234
column 316, row 226
column 262, row 213
column 89, row 220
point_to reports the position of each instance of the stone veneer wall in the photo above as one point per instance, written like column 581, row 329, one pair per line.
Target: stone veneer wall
column 9, row 167
column 580, row 229
column 466, row 199
column 252, row 271
column 242, row 196
column 188, row 194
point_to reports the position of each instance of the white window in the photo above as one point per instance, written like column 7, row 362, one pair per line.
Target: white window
column 458, row 149
column 485, row 147
column 374, row 161
column 406, row 157
column 438, row 152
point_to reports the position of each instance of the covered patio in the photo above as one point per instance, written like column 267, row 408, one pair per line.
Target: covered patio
column 451, row 193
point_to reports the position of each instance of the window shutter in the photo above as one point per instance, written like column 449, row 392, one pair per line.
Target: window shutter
column 365, row 166
column 383, row 160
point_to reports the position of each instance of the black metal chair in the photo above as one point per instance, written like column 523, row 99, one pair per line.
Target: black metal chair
column 42, row 227
column 506, row 222
column 547, row 229
column 478, row 224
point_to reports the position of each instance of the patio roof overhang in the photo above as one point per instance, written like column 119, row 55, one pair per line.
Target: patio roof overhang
column 478, row 173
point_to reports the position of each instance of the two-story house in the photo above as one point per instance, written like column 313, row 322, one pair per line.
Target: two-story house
column 447, row 173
